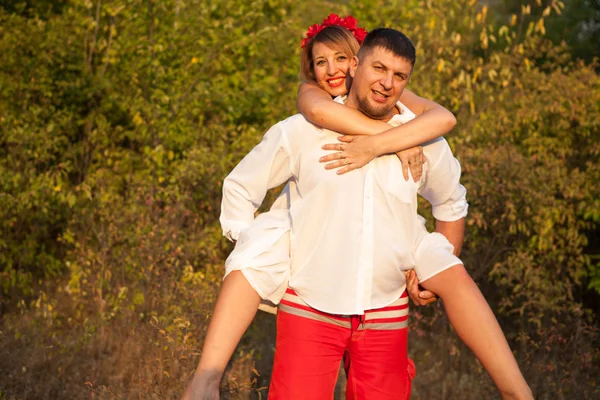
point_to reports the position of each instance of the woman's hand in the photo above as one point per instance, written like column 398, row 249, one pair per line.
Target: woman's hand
column 412, row 158
column 356, row 151
column 352, row 153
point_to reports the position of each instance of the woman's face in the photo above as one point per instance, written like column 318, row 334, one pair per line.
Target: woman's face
column 331, row 69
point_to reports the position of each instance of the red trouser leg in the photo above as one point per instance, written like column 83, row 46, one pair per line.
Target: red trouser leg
column 378, row 366
column 307, row 358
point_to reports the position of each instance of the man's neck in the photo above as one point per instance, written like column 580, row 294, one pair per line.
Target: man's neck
column 351, row 101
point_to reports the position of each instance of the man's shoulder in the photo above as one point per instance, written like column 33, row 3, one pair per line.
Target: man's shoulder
column 295, row 131
column 437, row 142
column 297, row 126
column 436, row 149
column 296, row 121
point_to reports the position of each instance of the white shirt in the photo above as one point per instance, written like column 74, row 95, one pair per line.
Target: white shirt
column 352, row 235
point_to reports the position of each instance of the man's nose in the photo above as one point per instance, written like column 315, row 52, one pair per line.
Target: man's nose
column 387, row 81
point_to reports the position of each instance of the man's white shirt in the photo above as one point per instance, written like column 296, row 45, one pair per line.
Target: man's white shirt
column 352, row 235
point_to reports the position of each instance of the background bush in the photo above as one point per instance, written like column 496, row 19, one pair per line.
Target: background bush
column 119, row 119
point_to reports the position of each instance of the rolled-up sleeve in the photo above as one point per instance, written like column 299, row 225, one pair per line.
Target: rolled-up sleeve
column 268, row 165
column 441, row 184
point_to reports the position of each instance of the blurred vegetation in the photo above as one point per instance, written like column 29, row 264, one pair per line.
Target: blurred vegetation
column 577, row 24
column 119, row 119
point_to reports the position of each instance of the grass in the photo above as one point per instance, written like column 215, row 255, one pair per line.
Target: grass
column 129, row 357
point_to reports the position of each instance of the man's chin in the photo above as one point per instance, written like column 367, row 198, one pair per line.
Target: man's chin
column 375, row 110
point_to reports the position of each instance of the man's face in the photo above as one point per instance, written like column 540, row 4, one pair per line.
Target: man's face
column 379, row 80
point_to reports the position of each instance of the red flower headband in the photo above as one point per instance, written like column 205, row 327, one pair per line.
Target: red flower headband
column 349, row 23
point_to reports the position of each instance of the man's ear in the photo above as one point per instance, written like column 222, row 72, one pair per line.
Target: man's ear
column 353, row 66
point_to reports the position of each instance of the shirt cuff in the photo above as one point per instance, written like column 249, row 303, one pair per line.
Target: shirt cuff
column 232, row 229
column 451, row 212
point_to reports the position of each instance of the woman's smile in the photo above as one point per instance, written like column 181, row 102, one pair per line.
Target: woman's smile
column 336, row 81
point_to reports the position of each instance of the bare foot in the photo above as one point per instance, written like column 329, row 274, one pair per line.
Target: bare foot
column 523, row 394
column 204, row 386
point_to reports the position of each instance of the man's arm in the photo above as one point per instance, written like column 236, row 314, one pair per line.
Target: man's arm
column 454, row 232
column 268, row 165
column 441, row 187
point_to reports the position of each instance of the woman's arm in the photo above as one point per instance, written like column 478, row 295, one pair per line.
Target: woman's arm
column 316, row 106
column 433, row 120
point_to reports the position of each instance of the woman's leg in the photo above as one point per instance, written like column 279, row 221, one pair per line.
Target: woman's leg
column 476, row 325
column 235, row 308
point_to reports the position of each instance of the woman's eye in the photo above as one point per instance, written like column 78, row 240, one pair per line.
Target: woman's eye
column 320, row 63
column 342, row 58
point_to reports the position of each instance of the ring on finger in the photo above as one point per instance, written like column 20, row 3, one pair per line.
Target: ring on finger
column 341, row 146
column 346, row 162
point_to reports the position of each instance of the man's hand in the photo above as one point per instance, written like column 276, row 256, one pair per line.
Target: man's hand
column 352, row 153
column 418, row 296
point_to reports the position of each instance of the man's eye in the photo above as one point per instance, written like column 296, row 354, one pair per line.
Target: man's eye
column 378, row 68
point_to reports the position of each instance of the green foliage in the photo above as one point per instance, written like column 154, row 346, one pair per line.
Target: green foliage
column 119, row 119
column 576, row 22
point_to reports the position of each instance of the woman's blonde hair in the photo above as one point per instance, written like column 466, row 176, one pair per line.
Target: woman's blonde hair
column 336, row 37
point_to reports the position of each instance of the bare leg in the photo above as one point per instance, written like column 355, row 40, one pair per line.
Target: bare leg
column 476, row 325
column 235, row 308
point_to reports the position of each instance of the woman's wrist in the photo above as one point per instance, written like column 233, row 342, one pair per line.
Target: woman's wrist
column 376, row 146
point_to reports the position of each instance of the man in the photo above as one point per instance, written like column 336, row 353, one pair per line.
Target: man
column 352, row 236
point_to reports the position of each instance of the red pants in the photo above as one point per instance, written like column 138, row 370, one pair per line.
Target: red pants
column 311, row 344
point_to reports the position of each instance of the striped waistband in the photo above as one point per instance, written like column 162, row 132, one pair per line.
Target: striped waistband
column 390, row 317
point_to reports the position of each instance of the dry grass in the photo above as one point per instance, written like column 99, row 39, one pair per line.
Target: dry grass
column 120, row 361
column 135, row 358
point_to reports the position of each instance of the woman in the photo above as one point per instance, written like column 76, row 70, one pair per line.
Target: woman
column 232, row 314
